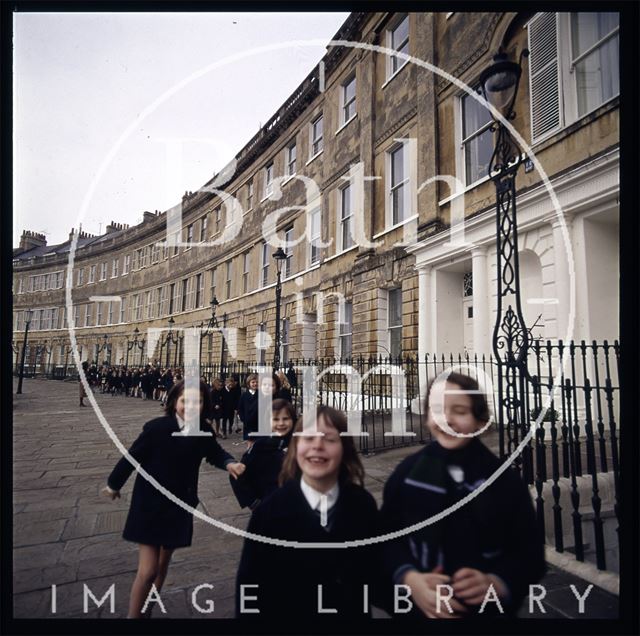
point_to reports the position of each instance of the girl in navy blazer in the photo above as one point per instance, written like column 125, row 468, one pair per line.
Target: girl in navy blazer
column 216, row 406
column 321, row 500
column 490, row 547
column 154, row 522
column 248, row 407
column 264, row 459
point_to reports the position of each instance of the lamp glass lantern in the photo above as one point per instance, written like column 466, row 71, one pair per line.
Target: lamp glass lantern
column 280, row 257
column 499, row 83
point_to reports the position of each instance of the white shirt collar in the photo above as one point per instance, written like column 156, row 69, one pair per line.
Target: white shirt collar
column 313, row 496
column 181, row 422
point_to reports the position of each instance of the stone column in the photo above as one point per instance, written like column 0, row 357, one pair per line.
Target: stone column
column 481, row 299
column 561, row 275
column 426, row 315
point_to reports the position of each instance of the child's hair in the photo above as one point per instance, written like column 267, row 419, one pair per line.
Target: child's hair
column 284, row 383
column 479, row 405
column 276, row 382
column 178, row 389
column 283, row 405
column 251, row 376
column 217, row 381
column 351, row 469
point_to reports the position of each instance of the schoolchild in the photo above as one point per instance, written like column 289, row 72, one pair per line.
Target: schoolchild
column 230, row 399
column 155, row 522
column 291, row 376
column 216, row 406
column 264, row 459
column 284, row 392
column 248, row 408
column 83, row 393
column 490, row 547
column 321, row 500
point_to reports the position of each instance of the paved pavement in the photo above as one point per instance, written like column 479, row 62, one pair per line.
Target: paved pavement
column 66, row 535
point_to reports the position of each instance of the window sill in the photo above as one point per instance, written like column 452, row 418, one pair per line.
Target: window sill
column 468, row 188
column 346, row 123
column 349, row 249
column 395, row 227
column 288, row 178
column 567, row 129
column 393, row 76
column 314, row 157
column 266, row 197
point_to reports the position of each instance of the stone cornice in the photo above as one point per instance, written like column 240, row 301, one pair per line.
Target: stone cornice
column 406, row 117
column 482, row 48
column 340, row 171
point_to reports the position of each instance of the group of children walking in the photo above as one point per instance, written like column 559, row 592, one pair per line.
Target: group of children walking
column 151, row 382
column 309, row 489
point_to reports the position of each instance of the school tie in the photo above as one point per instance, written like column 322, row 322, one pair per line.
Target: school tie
column 330, row 516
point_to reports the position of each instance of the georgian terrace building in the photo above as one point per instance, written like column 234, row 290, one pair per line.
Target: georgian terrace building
column 362, row 114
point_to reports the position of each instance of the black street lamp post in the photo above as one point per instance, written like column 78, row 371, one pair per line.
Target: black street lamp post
column 207, row 331
column 280, row 257
column 511, row 338
column 27, row 318
column 222, row 344
column 171, row 339
column 135, row 343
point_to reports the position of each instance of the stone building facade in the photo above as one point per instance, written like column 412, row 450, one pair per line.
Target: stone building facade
column 375, row 133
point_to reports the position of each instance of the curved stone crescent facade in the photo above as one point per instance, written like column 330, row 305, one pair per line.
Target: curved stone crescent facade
column 361, row 114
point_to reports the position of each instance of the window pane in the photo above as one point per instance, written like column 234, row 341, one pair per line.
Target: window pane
column 398, row 204
column 474, row 116
column 347, row 240
column 400, row 33
column 395, row 307
column 346, row 201
column 397, row 166
column 395, row 342
column 478, row 153
column 597, row 78
column 350, row 91
column 589, row 28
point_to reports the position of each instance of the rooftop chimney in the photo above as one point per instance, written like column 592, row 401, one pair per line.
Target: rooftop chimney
column 149, row 216
column 29, row 240
column 116, row 227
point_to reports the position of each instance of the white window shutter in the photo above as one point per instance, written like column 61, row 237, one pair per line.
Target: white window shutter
column 544, row 75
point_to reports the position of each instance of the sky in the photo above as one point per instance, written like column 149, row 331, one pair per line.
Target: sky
column 84, row 86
